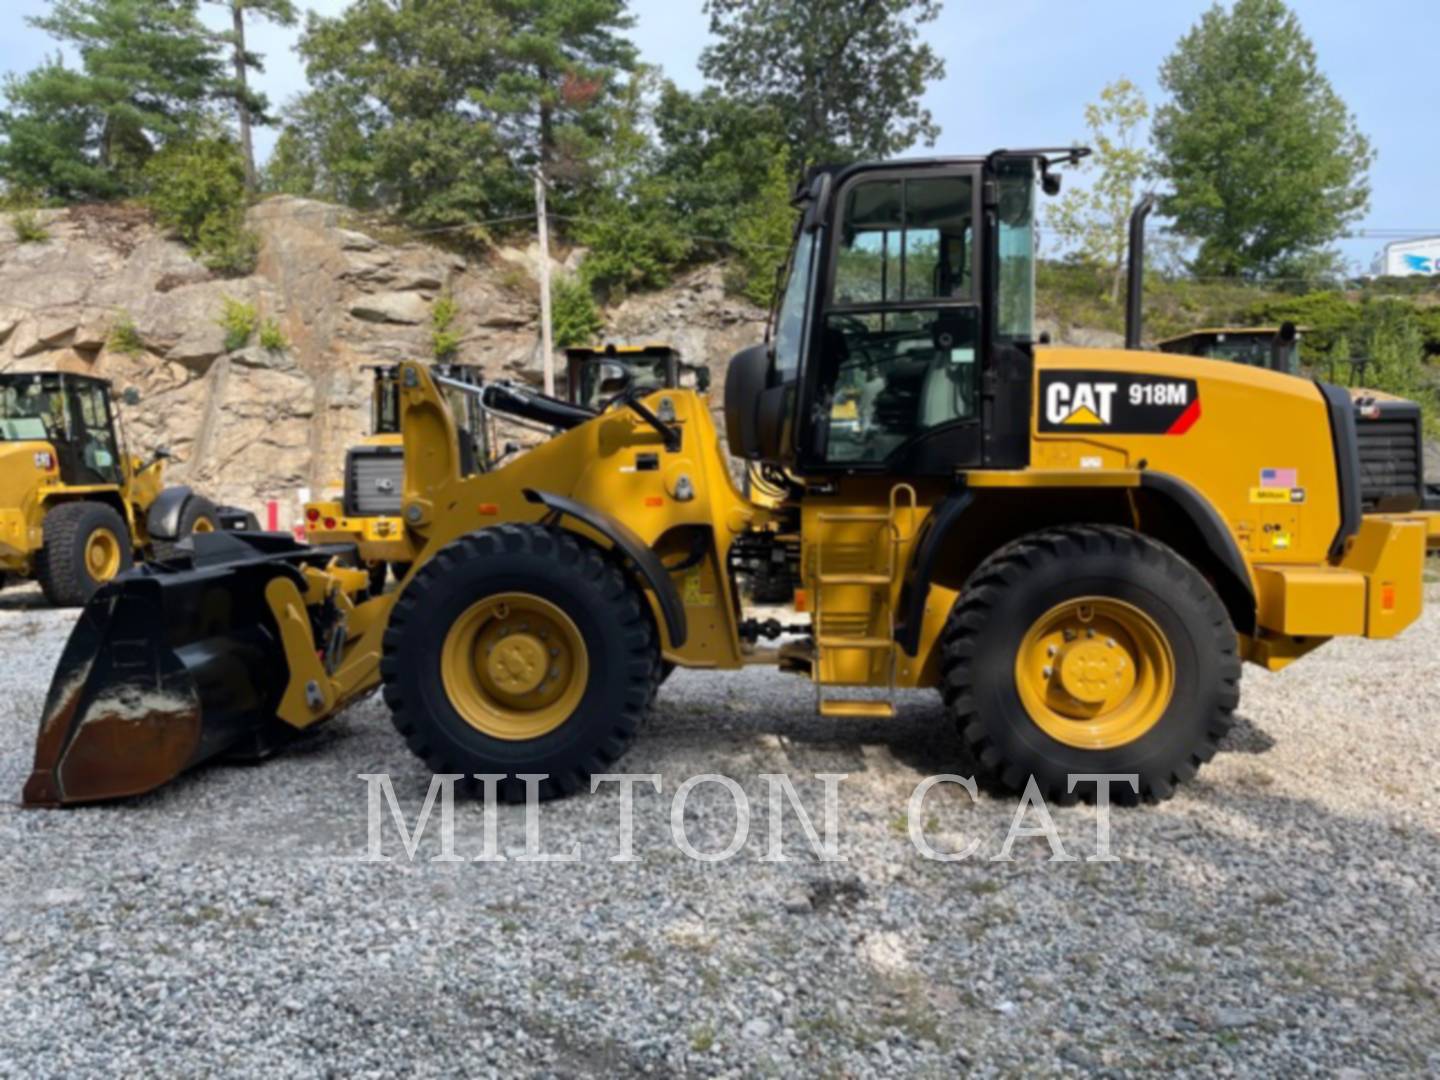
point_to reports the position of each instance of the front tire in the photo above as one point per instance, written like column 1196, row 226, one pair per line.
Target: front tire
column 1090, row 650
column 86, row 544
column 519, row 649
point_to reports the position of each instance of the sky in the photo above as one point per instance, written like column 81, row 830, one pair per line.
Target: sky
column 1020, row 73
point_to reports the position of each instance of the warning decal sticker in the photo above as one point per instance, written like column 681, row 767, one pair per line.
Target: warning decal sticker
column 1117, row 402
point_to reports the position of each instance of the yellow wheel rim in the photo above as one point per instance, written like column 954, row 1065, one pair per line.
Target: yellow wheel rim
column 203, row 524
column 514, row 666
column 102, row 555
column 1095, row 673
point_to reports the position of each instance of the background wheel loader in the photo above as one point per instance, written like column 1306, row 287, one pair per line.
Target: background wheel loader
column 76, row 508
column 1390, row 430
column 1076, row 548
column 368, row 513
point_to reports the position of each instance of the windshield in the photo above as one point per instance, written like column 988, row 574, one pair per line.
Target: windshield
column 789, row 319
column 1256, row 350
column 31, row 410
column 385, row 404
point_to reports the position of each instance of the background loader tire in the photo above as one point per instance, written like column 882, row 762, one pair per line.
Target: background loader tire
column 556, row 568
column 198, row 515
column 68, row 565
column 994, row 627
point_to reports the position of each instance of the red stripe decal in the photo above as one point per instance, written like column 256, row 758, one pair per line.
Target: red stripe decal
column 1186, row 420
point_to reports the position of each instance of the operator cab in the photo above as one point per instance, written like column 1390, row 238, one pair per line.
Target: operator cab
column 902, row 340
column 1276, row 348
column 70, row 412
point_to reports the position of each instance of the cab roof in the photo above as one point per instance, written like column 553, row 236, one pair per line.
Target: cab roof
column 1228, row 331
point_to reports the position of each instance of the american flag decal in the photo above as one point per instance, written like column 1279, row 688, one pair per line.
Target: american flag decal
column 1279, row 478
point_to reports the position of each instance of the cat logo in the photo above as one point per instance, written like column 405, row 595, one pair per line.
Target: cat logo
column 1080, row 404
column 1129, row 403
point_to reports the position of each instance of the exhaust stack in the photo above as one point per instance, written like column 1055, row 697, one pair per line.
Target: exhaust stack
column 1135, row 299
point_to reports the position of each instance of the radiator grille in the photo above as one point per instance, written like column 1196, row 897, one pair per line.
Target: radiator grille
column 1392, row 457
column 374, row 481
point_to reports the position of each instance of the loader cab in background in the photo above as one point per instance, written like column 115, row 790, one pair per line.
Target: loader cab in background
column 1275, row 348
column 902, row 339
column 596, row 375
column 73, row 414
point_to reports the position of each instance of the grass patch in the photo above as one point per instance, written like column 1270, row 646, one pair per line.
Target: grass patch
column 124, row 338
column 239, row 321
column 702, row 1040
column 444, row 339
column 272, row 336
column 29, row 229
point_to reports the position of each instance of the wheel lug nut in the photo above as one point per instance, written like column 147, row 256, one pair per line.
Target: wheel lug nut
column 1090, row 633
column 1051, row 651
column 1049, row 671
column 1109, row 642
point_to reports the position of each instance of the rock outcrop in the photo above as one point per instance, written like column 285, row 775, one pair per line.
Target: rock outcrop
column 109, row 295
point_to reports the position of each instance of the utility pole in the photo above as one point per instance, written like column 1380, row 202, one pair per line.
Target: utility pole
column 547, row 342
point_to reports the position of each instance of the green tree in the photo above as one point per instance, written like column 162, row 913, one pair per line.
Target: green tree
column 1264, row 159
column 250, row 107
column 763, row 232
column 1093, row 220
column 442, row 109
column 716, row 154
column 631, row 225
column 846, row 76
column 196, row 188
column 560, row 64
column 389, row 118
column 149, row 72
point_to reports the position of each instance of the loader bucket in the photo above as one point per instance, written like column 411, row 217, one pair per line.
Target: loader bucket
column 169, row 666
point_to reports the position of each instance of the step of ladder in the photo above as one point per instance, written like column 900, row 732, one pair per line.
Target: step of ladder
column 842, row 642
column 855, row 579
column 881, row 710
column 873, row 519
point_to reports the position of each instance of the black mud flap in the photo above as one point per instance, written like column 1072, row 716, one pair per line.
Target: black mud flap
column 169, row 666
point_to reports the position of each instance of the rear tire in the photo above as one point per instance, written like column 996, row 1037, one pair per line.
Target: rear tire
column 453, row 704
column 198, row 515
column 1159, row 711
column 86, row 544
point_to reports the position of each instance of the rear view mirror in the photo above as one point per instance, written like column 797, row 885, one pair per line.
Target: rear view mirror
column 163, row 453
column 131, row 396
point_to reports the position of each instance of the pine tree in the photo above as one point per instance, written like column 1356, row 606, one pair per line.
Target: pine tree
column 250, row 107
column 149, row 73
column 847, row 77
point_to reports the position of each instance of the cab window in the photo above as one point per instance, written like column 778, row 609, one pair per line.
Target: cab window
column 901, row 331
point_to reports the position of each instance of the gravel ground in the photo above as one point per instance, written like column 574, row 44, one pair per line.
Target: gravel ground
column 1278, row 916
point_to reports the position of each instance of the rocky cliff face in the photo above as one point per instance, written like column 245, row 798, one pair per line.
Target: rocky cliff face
column 251, row 424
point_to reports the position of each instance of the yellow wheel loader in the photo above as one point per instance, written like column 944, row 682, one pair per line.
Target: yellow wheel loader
column 1076, row 548
column 368, row 513
column 76, row 509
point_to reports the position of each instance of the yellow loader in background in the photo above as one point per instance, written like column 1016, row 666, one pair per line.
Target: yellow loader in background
column 368, row 511
column 1077, row 548
column 76, row 508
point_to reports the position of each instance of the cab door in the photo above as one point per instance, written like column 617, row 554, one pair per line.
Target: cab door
column 894, row 369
